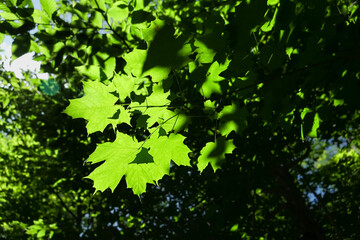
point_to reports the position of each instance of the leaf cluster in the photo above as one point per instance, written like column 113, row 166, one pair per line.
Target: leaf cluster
column 245, row 86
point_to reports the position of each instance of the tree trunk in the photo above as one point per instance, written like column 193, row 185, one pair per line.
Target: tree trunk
column 309, row 229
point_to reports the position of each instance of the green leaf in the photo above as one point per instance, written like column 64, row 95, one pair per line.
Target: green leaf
column 311, row 122
column 118, row 155
column 21, row 45
column 174, row 121
column 40, row 17
column 41, row 233
column 118, row 12
column 338, row 102
column 272, row 2
column 97, row 20
column 165, row 52
column 140, row 4
column 214, row 153
column 125, row 116
column 23, row 3
column 96, row 72
column 123, row 157
column 100, row 3
column 8, row 16
column 155, row 105
column 135, row 63
column 124, row 85
column 4, row 8
column 138, row 175
column 211, row 41
column 109, row 66
column 315, row 126
column 49, row 6
column 164, row 148
column 209, row 109
column 122, row 115
column 233, row 118
column 205, row 54
column 268, row 26
column 93, row 72
column 211, row 84
column 150, row 33
column 96, row 106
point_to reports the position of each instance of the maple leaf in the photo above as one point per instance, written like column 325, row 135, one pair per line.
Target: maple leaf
column 176, row 121
column 211, row 41
column 155, row 105
column 135, row 64
column 165, row 52
column 204, row 54
column 138, row 175
column 97, row 106
column 214, row 153
column 233, row 118
column 123, row 157
column 166, row 148
column 124, row 85
column 122, row 115
column 211, row 84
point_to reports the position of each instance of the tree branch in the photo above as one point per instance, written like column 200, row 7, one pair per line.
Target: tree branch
column 108, row 23
column 63, row 204
column 277, row 76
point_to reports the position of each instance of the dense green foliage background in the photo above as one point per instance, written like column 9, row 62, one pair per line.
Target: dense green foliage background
column 266, row 91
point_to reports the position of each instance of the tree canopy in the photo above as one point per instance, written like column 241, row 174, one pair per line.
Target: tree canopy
column 206, row 119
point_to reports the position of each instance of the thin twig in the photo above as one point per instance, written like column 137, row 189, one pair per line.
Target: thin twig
column 177, row 81
column 108, row 23
column 63, row 204
column 149, row 106
column 55, row 25
column 157, row 128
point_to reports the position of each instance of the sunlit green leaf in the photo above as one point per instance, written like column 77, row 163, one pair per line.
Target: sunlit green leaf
column 233, row 118
column 123, row 157
column 211, row 84
column 164, row 149
column 40, row 17
column 96, row 106
column 214, row 153
column 118, row 12
column 155, row 106
column 49, row 6
column 124, row 85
